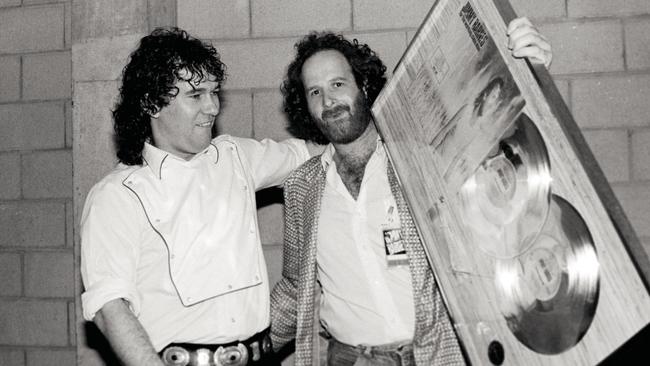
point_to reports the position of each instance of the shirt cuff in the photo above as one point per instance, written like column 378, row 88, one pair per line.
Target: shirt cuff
column 106, row 290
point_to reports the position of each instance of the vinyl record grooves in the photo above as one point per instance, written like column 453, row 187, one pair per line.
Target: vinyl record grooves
column 505, row 202
column 550, row 292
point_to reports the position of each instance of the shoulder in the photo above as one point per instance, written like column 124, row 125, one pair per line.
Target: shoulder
column 111, row 186
column 307, row 172
column 225, row 139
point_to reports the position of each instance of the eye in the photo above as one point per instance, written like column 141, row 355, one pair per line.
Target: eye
column 338, row 84
column 195, row 96
column 215, row 92
column 314, row 92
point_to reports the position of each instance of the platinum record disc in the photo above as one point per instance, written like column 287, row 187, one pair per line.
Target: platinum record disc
column 505, row 202
column 549, row 293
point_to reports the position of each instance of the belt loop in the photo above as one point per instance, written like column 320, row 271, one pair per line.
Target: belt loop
column 255, row 349
column 366, row 350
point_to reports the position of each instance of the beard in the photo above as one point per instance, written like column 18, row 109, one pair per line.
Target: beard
column 340, row 125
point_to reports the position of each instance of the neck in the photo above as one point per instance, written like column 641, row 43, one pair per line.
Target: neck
column 351, row 159
column 359, row 150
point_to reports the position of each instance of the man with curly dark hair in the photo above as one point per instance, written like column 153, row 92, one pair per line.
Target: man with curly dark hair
column 171, row 257
column 354, row 267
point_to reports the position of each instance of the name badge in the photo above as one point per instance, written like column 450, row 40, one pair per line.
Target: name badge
column 393, row 242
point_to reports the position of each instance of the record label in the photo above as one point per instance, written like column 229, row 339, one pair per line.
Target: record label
column 500, row 181
column 542, row 270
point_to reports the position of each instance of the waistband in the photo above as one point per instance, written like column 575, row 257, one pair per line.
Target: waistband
column 403, row 350
column 251, row 351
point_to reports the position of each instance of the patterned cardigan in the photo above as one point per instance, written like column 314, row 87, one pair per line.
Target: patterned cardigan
column 293, row 305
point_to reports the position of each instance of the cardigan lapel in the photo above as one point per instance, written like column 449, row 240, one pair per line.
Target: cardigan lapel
column 421, row 274
column 307, row 343
column 434, row 341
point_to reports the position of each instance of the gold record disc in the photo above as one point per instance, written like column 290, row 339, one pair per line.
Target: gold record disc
column 505, row 202
column 549, row 293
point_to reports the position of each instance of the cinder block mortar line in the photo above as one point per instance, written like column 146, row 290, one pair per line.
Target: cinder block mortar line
column 352, row 15
column 624, row 44
column 35, row 200
column 33, row 52
column 630, row 154
column 7, row 347
column 43, row 250
column 569, row 102
column 295, row 37
column 583, row 20
column 631, row 183
column 32, row 101
column 72, row 321
column 252, row 96
column 20, row 79
column 601, row 74
column 47, row 299
column 250, row 19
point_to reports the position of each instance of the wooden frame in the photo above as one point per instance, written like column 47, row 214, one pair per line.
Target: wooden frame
column 423, row 116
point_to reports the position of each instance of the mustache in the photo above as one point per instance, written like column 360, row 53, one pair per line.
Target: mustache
column 332, row 112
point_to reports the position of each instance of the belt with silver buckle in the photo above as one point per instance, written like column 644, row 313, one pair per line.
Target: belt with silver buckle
column 238, row 353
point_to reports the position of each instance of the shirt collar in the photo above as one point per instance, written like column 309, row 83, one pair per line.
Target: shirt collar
column 155, row 157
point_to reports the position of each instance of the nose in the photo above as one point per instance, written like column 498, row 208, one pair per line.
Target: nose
column 211, row 106
column 328, row 99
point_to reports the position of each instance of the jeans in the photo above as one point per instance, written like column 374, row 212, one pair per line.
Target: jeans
column 340, row 354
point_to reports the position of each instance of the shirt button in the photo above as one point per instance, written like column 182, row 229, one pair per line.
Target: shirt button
column 229, row 287
column 173, row 256
column 232, row 320
column 189, row 299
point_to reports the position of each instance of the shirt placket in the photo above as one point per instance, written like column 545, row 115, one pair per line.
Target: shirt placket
column 371, row 264
column 237, row 316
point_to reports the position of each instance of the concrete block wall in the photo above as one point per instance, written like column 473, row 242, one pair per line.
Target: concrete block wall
column 36, row 250
column 602, row 68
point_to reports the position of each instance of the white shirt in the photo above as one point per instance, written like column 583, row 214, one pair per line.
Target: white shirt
column 179, row 240
column 364, row 301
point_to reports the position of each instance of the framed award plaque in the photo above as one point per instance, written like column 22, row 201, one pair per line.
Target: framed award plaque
column 534, row 257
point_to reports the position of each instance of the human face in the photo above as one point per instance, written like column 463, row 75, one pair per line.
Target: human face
column 184, row 126
column 334, row 100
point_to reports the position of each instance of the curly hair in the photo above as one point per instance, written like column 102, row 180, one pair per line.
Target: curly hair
column 163, row 58
column 366, row 66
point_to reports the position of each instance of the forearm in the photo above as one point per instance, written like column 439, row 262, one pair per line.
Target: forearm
column 283, row 313
column 126, row 335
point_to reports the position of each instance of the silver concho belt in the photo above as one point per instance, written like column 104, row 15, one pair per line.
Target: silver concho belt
column 234, row 355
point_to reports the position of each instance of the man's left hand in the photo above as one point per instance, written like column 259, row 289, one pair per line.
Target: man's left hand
column 525, row 41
